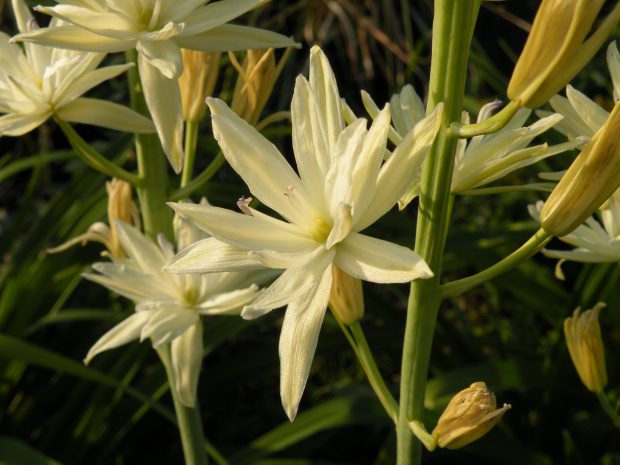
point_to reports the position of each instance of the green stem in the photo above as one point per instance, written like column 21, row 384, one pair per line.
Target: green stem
column 453, row 27
column 197, row 182
column 488, row 126
column 531, row 247
column 372, row 372
column 93, row 158
column 190, row 424
column 152, row 167
column 191, row 140
column 609, row 410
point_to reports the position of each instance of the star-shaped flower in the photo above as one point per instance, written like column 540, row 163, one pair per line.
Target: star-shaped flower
column 169, row 307
column 157, row 29
column 41, row 81
column 342, row 188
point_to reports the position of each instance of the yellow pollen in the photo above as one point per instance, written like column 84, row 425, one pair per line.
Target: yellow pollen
column 321, row 230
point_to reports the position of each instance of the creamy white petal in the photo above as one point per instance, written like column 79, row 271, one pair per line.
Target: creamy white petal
column 613, row 62
column 128, row 283
column 186, row 352
column 342, row 225
column 126, row 331
column 75, row 86
column 211, row 255
column 309, row 140
column 298, row 340
column 105, row 114
column 399, row 171
column 572, row 119
column 325, row 89
column 165, row 55
column 216, row 14
column 229, row 303
column 139, row 248
column 230, row 37
column 163, row 98
column 379, row 261
column 273, row 259
column 293, row 283
column 18, row 125
column 75, row 38
column 167, row 323
column 246, row 232
column 581, row 255
column 591, row 113
column 259, row 163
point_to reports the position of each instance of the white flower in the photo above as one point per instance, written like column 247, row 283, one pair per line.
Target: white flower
column 341, row 189
column 583, row 116
column 169, row 306
column 481, row 160
column 41, row 81
column 157, row 29
column 594, row 242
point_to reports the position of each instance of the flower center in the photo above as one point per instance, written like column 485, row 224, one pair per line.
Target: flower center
column 321, row 230
column 191, row 295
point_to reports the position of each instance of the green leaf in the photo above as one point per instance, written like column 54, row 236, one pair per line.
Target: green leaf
column 16, row 452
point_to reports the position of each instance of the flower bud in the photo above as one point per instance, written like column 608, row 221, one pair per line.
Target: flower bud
column 346, row 298
column 557, row 49
column 469, row 416
column 200, row 71
column 257, row 76
column 585, row 345
column 592, row 178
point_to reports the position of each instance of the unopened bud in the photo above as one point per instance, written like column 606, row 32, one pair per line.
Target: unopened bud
column 557, row 49
column 585, row 345
column 592, row 178
column 469, row 416
column 346, row 298
column 200, row 71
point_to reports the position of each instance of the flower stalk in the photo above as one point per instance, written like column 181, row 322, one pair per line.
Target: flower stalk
column 453, row 27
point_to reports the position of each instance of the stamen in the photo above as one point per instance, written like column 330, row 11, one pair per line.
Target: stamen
column 243, row 205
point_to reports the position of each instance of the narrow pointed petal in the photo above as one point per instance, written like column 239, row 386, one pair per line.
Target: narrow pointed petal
column 75, row 38
column 18, row 125
column 163, row 98
column 186, row 352
column 22, row 14
column 211, row 255
column 273, row 259
column 142, row 250
column 164, row 55
column 342, row 225
column 105, row 114
column 298, row 340
column 246, row 232
column 216, row 14
column 325, row 89
column 126, row 331
column 230, row 37
column 289, row 286
column 229, row 303
column 258, row 162
column 400, row 170
column 166, row 323
column 379, row 261
column 591, row 113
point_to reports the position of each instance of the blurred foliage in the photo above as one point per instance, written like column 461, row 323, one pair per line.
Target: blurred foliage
column 507, row 332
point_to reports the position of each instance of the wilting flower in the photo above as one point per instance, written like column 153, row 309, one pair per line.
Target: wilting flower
column 200, row 71
column 120, row 208
column 483, row 159
column 341, row 189
column 257, row 76
column 590, row 180
column 169, row 307
column 557, row 48
column 470, row 415
column 583, row 116
column 583, row 338
column 595, row 243
column 42, row 81
column 157, row 29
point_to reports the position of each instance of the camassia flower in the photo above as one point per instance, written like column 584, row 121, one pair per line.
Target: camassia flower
column 157, row 29
column 341, row 189
column 42, row 81
column 169, row 308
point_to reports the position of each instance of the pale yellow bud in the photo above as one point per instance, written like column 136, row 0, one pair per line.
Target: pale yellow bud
column 346, row 298
column 200, row 71
column 592, row 178
column 585, row 345
column 122, row 208
column 557, row 49
column 469, row 416
column 257, row 77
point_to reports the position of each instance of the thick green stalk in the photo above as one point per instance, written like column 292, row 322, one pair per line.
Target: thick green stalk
column 191, row 141
column 152, row 167
column 190, row 425
column 453, row 27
